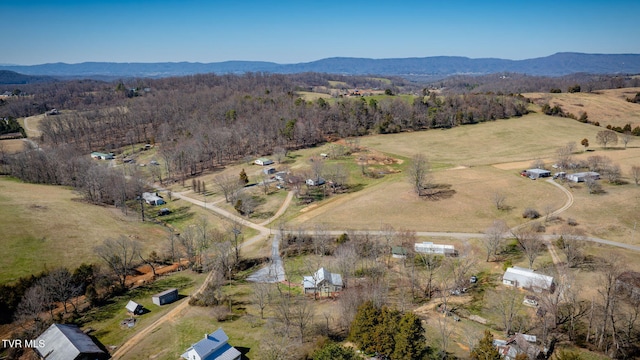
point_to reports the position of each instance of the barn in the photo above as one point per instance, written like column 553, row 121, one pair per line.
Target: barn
column 67, row 342
column 583, row 176
column 165, row 297
column 537, row 173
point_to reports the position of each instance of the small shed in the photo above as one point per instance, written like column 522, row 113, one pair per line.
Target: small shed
column 263, row 161
column 165, row 297
column 583, row 176
column 537, row 173
column 398, row 252
column 269, row 170
column 134, row 308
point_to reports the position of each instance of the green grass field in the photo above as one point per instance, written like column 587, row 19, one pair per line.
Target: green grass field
column 44, row 227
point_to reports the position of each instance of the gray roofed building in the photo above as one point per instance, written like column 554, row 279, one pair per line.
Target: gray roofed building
column 214, row 346
column 528, row 279
column 134, row 308
column 68, row 342
column 322, row 280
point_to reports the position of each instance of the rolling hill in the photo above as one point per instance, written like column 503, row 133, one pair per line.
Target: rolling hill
column 439, row 66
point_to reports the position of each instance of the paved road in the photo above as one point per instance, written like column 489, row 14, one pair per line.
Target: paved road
column 274, row 272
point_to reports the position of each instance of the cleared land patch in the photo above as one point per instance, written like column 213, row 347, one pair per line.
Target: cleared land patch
column 609, row 107
column 44, row 227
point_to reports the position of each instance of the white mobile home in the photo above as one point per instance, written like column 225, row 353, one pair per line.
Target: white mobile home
column 527, row 279
column 431, row 248
column 583, row 176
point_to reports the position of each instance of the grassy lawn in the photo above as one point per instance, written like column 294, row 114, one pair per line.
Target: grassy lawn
column 105, row 320
column 44, row 227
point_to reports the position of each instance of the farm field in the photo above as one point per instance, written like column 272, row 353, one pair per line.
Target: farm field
column 476, row 170
column 609, row 107
column 49, row 226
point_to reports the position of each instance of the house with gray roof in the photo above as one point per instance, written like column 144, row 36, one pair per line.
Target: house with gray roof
column 214, row 346
column 527, row 279
column 322, row 281
column 67, row 342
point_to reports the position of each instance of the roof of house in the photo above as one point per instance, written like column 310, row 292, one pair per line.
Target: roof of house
column 214, row 346
column 584, row 174
column 64, row 342
column 431, row 247
column 321, row 275
column 527, row 278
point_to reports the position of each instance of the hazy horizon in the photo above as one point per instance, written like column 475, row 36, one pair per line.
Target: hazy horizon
column 287, row 32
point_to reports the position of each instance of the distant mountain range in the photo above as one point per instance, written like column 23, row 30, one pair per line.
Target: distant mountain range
column 438, row 66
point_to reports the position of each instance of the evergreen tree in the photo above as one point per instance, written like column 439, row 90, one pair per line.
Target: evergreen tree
column 335, row 351
column 244, row 179
column 485, row 349
column 386, row 330
column 363, row 328
column 410, row 342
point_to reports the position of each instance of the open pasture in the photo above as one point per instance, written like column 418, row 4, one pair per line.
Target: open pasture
column 608, row 107
column 519, row 139
column 476, row 162
column 44, row 227
column 12, row 146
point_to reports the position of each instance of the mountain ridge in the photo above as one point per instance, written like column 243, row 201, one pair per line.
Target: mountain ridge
column 559, row 64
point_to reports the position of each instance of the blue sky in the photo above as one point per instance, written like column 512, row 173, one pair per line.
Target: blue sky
column 37, row 31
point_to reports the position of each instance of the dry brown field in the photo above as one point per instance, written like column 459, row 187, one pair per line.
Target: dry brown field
column 609, row 107
column 12, row 146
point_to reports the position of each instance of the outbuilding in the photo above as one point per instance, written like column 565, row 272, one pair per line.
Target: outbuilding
column 537, row 173
column 67, row 342
column 102, row 156
column 431, row 248
column 583, row 176
column 315, row 182
column 263, row 161
column 527, row 279
column 165, row 297
column 134, row 308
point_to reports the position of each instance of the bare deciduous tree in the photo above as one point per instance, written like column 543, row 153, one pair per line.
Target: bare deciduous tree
column 119, row 254
column 229, row 186
column 261, row 296
column 606, row 137
column 498, row 198
column 635, row 174
column 529, row 242
column 419, row 173
column 493, row 239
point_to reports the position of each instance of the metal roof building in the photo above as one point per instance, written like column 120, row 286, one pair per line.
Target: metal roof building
column 67, row 342
column 213, row 346
column 527, row 278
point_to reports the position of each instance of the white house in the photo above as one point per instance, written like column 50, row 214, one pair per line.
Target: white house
column 527, row 279
column 214, row 346
column 583, row 176
column 431, row 248
column 263, row 161
column 153, row 199
column 315, row 182
column 322, row 281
